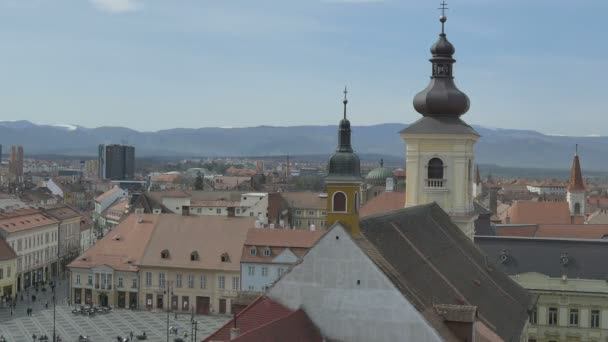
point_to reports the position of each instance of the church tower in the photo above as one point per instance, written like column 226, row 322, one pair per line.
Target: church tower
column 440, row 152
column 576, row 191
column 344, row 181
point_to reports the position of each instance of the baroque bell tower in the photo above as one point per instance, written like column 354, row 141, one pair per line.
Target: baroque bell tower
column 344, row 181
column 440, row 146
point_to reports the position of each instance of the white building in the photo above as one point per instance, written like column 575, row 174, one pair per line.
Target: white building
column 268, row 253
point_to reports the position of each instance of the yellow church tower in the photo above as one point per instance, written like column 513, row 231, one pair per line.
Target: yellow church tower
column 343, row 181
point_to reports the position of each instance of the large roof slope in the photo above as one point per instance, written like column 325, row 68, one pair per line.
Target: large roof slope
column 432, row 262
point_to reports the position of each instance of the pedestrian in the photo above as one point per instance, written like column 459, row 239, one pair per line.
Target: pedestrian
column 46, row 304
column 131, row 334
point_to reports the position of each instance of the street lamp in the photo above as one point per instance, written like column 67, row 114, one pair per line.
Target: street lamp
column 169, row 295
column 54, row 313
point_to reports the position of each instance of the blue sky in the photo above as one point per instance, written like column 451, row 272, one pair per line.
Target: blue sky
column 156, row 64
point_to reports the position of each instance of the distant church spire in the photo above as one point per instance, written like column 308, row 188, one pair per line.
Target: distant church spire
column 442, row 98
column 576, row 176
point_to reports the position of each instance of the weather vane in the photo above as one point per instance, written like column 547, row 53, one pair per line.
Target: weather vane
column 443, row 18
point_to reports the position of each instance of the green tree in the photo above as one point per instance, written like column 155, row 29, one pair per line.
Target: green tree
column 198, row 182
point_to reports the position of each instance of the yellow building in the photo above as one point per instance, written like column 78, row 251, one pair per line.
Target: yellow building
column 192, row 264
column 152, row 261
column 344, row 181
column 8, row 266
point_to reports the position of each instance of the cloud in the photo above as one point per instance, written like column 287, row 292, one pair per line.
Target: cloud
column 116, row 6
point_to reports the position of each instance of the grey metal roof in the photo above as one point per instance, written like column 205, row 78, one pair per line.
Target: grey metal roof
column 434, row 124
column 431, row 261
column 586, row 258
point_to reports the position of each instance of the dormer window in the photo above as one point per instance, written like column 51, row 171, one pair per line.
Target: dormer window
column 267, row 251
column 164, row 254
column 194, row 256
column 565, row 259
column 225, row 257
column 253, row 251
column 504, row 256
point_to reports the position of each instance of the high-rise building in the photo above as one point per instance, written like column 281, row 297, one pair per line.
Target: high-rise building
column 15, row 165
column 116, row 162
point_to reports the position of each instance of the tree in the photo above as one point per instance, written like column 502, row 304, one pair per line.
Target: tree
column 198, row 182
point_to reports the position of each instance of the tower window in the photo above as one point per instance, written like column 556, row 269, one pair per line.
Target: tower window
column 577, row 208
column 435, row 169
column 339, row 202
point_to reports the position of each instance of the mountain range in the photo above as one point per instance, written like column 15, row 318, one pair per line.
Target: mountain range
column 505, row 147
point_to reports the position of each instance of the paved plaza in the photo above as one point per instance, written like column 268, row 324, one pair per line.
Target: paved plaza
column 101, row 327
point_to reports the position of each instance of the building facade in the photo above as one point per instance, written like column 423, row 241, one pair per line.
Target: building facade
column 34, row 237
column 306, row 209
column 268, row 253
column 8, row 267
column 568, row 279
column 69, row 233
column 116, row 162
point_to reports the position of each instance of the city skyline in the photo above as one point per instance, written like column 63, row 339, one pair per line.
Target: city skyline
column 148, row 65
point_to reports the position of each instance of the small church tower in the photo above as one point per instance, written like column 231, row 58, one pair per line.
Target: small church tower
column 344, row 181
column 576, row 191
column 440, row 153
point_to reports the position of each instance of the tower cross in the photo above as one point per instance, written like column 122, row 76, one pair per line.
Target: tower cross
column 443, row 7
column 345, row 101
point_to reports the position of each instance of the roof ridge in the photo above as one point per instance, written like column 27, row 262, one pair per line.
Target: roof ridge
column 404, row 209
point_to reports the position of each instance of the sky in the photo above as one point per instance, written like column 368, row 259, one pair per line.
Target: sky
column 159, row 64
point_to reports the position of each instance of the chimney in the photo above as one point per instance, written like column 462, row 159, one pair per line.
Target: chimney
column 234, row 331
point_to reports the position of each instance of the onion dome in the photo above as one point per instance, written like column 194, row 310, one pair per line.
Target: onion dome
column 344, row 164
column 379, row 175
column 442, row 98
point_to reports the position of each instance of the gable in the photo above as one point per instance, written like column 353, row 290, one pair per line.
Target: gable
column 348, row 297
column 286, row 257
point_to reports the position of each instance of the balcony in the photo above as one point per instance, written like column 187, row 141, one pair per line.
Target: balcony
column 435, row 184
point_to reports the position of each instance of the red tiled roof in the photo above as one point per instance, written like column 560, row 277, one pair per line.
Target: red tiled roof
column 6, row 252
column 386, row 201
column 262, row 311
column 527, row 230
column 576, row 177
column 564, row 231
column 530, row 212
column 573, row 231
column 283, row 237
column 295, row 327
